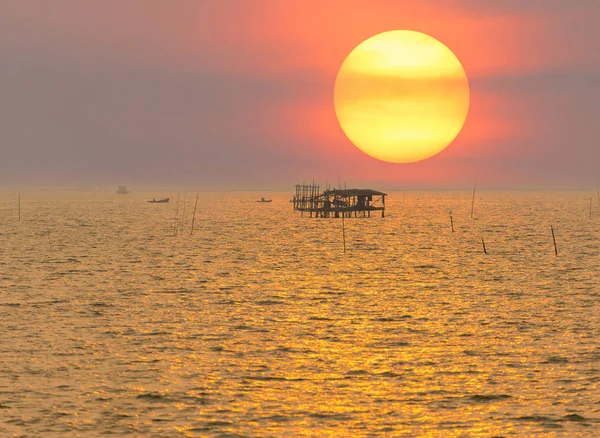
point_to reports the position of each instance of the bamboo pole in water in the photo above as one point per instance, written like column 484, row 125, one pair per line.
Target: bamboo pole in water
column 183, row 212
column 194, row 215
column 19, row 202
column 553, row 240
column 451, row 222
column 483, row 243
column 176, row 216
column 473, row 200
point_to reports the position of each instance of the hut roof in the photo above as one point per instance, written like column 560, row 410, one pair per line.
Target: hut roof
column 346, row 193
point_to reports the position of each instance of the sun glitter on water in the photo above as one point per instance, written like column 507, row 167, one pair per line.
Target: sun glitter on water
column 401, row 96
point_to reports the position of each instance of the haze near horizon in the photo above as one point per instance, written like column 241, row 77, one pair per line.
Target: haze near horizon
column 233, row 94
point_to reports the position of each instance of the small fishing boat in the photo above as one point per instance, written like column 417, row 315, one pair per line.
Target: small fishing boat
column 159, row 201
column 264, row 200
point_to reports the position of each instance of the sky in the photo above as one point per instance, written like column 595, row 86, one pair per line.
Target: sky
column 238, row 94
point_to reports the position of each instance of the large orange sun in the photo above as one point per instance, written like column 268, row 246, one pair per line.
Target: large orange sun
column 401, row 96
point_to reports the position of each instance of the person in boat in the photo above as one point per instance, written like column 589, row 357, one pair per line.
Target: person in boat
column 262, row 199
column 153, row 199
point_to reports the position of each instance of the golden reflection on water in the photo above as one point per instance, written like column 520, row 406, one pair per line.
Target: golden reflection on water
column 259, row 325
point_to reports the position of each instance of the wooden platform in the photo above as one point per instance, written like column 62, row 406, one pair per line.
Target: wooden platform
column 337, row 203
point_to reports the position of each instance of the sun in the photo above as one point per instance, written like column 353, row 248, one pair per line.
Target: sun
column 401, row 96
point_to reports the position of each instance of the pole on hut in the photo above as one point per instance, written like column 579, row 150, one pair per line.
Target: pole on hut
column 312, row 198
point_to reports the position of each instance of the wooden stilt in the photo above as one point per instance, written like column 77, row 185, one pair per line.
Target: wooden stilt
column 343, row 224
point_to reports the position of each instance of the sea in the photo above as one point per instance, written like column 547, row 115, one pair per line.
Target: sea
column 116, row 318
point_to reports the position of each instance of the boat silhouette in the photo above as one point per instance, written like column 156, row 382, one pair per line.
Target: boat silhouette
column 159, row 201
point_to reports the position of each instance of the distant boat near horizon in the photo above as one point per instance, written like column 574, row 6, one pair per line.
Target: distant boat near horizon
column 159, row 201
column 122, row 190
column 264, row 200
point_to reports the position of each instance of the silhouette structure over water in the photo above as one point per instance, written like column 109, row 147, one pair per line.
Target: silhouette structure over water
column 336, row 203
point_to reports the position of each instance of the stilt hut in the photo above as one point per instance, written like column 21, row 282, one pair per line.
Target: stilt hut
column 338, row 203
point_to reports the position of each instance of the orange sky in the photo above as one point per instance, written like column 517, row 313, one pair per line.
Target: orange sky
column 235, row 93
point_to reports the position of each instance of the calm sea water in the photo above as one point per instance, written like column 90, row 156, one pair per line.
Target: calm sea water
column 259, row 325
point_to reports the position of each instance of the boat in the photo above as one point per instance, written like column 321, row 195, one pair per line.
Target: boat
column 264, row 200
column 159, row 201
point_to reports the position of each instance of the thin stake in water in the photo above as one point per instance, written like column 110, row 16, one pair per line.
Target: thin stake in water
column 554, row 240
column 194, row 215
column 591, row 208
column 49, row 242
column 483, row 243
column 183, row 213
column 451, row 222
column 473, row 200
column 176, row 216
column 19, row 206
